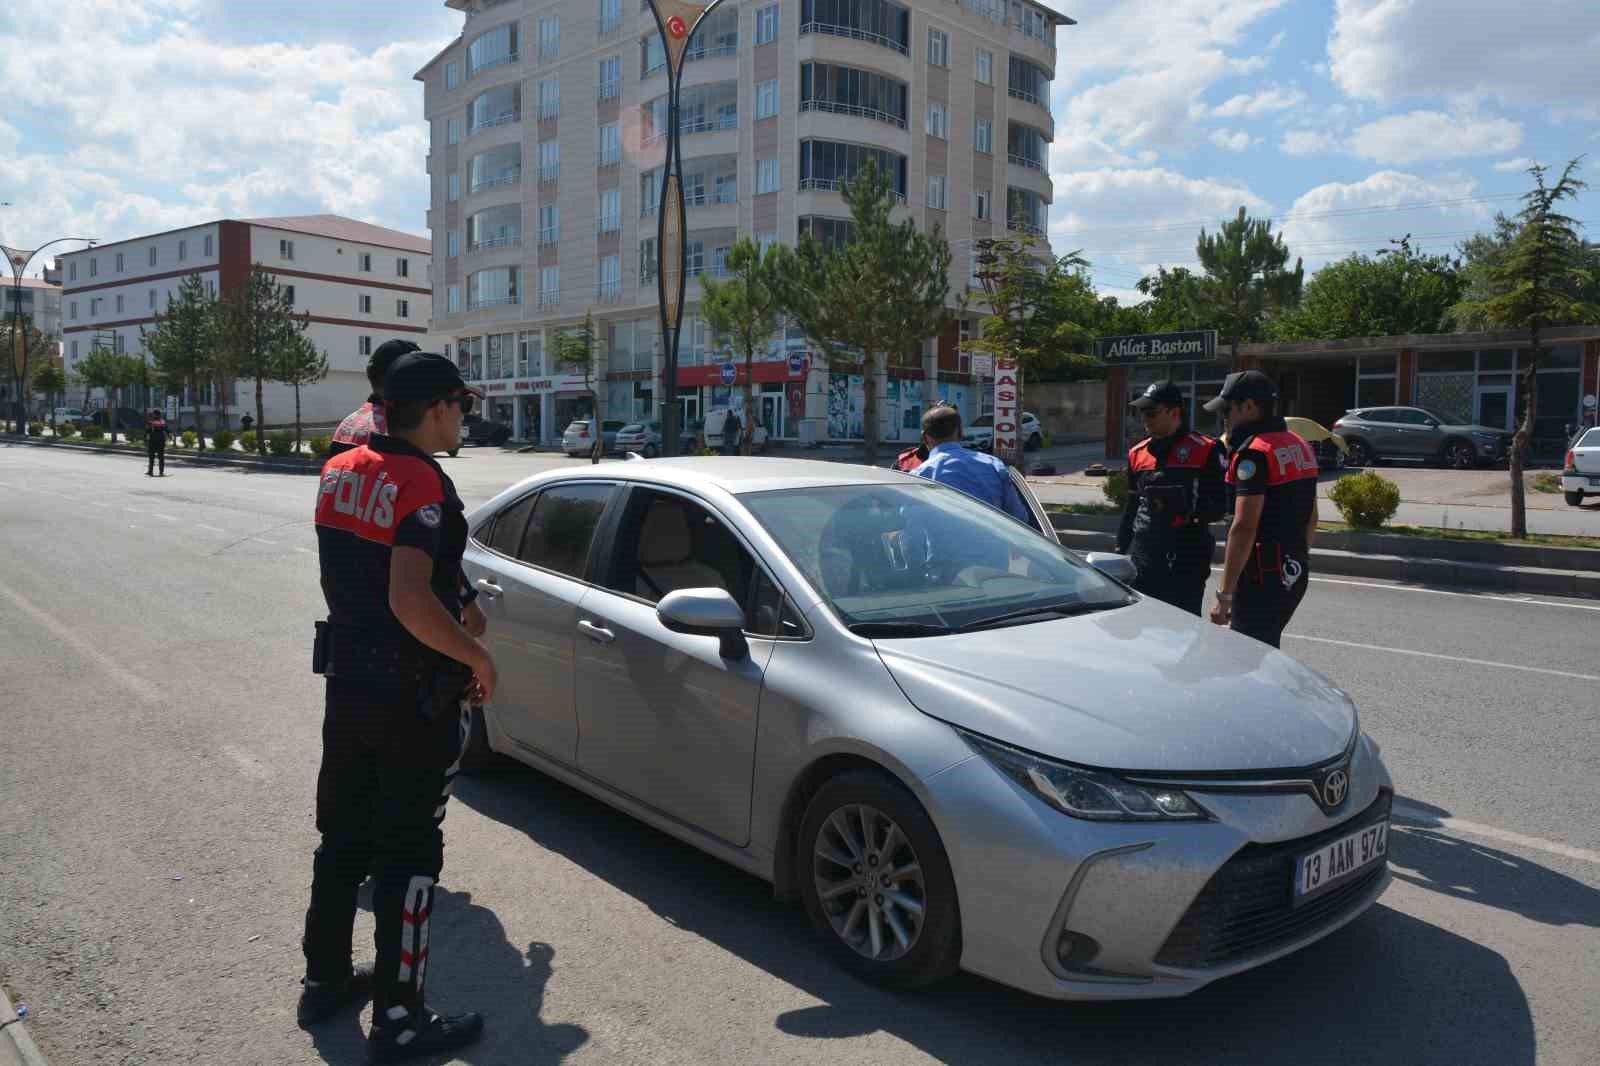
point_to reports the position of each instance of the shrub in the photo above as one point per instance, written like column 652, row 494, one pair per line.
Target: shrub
column 1116, row 488
column 222, row 440
column 92, row 432
column 247, row 440
column 321, row 446
column 136, row 435
column 189, row 437
column 1366, row 500
column 35, row 429
column 67, row 430
column 281, row 443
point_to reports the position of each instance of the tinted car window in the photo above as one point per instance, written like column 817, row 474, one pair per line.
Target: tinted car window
column 1381, row 414
column 505, row 536
column 1590, row 439
column 1410, row 416
column 562, row 527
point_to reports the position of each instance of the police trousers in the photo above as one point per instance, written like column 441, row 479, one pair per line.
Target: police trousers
column 1177, row 576
column 155, row 450
column 381, row 793
column 1263, row 611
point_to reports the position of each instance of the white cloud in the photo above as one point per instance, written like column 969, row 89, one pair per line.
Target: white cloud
column 1521, row 164
column 1254, row 105
column 1336, row 219
column 1385, row 50
column 1277, row 41
column 1419, row 135
column 1308, row 142
column 1230, row 140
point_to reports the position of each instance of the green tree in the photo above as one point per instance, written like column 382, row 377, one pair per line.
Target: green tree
column 576, row 351
column 297, row 362
column 184, row 343
column 746, row 310
column 1033, row 315
column 1396, row 292
column 1246, row 277
column 1542, row 279
column 1177, row 301
column 257, row 319
column 112, row 371
column 882, row 293
column 36, row 351
column 52, row 381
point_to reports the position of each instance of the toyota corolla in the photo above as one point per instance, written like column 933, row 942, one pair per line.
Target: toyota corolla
column 958, row 743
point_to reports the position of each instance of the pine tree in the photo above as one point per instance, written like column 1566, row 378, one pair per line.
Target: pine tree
column 184, row 342
column 745, row 310
column 1246, row 279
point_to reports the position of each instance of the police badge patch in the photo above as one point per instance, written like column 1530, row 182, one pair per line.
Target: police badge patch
column 1183, row 454
column 430, row 515
column 1246, row 469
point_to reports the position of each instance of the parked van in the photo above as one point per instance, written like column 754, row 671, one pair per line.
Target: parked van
column 718, row 418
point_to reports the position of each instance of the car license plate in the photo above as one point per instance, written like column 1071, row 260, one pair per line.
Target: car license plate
column 1340, row 860
column 1595, row 482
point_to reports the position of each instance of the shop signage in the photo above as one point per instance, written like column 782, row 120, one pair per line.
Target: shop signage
column 565, row 383
column 982, row 364
column 1192, row 346
column 798, row 364
column 730, row 373
column 763, row 372
column 1006, row 414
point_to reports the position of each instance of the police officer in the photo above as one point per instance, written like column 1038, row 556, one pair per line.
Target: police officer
column 1175, row 492
column 368, row 419
column 1273, row 473
column 399, row 663
column 155, row 442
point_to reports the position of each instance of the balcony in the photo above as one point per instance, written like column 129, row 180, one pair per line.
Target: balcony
column 490, row 62
column 505, row 241
column 852, row 33
column 490, row 123
column 492, row 301
column 1017, row 225
column 1024, row 161
column 829, row 107
column 609, row 89
column 549, row 235
column 509, row 177
column 549, row 109
column 608, row 224
column 836, row 185
column 549, row 174
column 608, row 292
column 550, row 298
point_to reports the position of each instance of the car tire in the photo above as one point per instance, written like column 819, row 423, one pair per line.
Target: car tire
column 649, row 451
column 1034, row 443
column 931, row 948
column 453, row 452
column 476, row 754
column 1574, row 499
column 1359, row 453
column 1459, row 455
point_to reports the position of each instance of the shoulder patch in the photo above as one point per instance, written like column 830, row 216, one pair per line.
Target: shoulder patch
column 430, row 515
column 1245, row 470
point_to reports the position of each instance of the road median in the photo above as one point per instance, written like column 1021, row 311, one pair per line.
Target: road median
column 277, row 464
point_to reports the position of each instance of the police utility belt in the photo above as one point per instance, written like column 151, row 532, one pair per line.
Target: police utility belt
column 351, row 653
column 1170, row 500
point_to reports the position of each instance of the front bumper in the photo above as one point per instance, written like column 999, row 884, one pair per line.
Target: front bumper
column 1157, row 909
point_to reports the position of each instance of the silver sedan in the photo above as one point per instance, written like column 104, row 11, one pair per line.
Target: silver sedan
column 959, row 744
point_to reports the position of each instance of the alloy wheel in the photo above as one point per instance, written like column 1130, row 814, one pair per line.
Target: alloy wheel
column 869, row 882
column 1461, row 456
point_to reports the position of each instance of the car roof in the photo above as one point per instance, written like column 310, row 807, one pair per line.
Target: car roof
column 734, row 474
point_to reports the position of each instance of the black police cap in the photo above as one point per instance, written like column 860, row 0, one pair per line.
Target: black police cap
column 386, row 353
column 1244, row 385
column 1161, row 394
column 422, row 376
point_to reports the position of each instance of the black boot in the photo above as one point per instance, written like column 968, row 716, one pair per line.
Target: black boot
column 395, row 1041
column 321, row 1001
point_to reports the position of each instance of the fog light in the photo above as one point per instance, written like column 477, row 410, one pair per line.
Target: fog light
column 1075, row 950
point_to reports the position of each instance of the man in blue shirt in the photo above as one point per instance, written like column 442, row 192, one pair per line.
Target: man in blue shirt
column 983, row 477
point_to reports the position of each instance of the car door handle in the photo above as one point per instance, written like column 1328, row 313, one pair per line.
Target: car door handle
column 488, row 588
column 597, row 633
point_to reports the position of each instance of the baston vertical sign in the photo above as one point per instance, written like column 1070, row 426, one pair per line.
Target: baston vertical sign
column 1007, row 415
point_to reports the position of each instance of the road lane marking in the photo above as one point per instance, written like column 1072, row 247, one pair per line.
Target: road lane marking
column 214, row 529
column 308, row 551
column 163, row 517
column 1447, row 658
column 1489, row 597
column 71, row 637
column 1408, row 811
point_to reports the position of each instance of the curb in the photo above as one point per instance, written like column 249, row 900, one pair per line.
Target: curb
column 187, row 458
column 16, row 1046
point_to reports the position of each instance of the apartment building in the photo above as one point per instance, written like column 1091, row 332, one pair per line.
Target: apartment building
column 38, row 301
column 548, row 132
column 360, row 284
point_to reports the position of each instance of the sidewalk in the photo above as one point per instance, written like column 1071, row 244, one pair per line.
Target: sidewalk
column 16, row 1046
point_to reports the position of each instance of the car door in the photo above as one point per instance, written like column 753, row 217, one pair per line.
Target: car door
column 1418, row 436
column 530, row 580
column 662, row 716
column 1384, row 432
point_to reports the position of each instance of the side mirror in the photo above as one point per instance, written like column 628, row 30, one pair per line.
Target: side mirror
column 709, row 612
column 1117, row 567
column 1432, row 424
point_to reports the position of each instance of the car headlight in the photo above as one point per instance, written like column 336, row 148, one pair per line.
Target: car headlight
column 1082, row 793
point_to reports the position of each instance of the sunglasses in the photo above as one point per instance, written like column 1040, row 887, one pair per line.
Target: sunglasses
column 464, row 400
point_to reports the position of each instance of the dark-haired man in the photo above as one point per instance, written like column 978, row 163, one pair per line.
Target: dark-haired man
column 399, row 662
column 368, row 419
column 983, row 477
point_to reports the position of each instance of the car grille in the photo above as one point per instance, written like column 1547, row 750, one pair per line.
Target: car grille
column 1247, row 907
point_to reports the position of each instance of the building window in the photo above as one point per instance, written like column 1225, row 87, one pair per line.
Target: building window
column 609, row 286
column 766, row 176
column 364, row 303
column 609, row 150
column 1028, row 81
column 208, row 246
column 549, row 160
column 610, row 16
column 649, row 192
column 766, row 24
column 402, row 268
column 827, row 165
column 767, row 99
column 452, row 299
column 936, row 187
column 364, row 344
column 183, row 252
column 452, row 131
column 549, row 286
column 938, row 120
column 727, row 186
column 983, row 136
column 152, row 297
column 452, row 242
column 94, row 268
column 492, row 49
column 211, row 288
column 938, row 48
column 609, row 77
column 610, row 211
column 985, row 67
column 72, row 309
column 652, row 56
column 72, row 270
column 765, row 241
column 286, row 250
column 647, row 260
column 983, row 204
column 549, row 224
column 288, row 295
column 549, row 98
column 694, row 257
column 846, row 90
column 119, row 263
column 452, row 191
column 74, row 346
column 452, row 75
column 402, row 308
column 1026, row 146
column 365, row 261
column 495, row 107
column 549, row 36
column 119, row 303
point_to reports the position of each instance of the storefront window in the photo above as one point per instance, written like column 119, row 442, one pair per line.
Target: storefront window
column 1374, row 392
column 1440, row 362
column 1562, row 356
column 1499, row 359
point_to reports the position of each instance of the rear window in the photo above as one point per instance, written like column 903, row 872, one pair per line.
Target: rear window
column 580, row 424
column 562, row 527
column 632, row 427
column 612, row 427
column 1590, row 439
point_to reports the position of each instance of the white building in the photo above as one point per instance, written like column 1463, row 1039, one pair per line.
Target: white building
column 360, row 284
column 547, row 120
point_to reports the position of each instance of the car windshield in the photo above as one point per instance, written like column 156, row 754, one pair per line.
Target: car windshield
column 578, row 425
column 982, row 422
column 1590, row 439
column 632, row 427
column 920, row 560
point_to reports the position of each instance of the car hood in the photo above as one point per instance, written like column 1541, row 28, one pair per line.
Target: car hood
column 1144, row 687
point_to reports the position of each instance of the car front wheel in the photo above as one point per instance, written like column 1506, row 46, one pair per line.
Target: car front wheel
column 1460, row 456
column 877, row 883
column 1359, row 453
column 649, row 451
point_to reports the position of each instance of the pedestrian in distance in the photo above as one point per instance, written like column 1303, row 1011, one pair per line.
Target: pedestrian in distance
column 368, row 419
column 732, row 433
column 155, row 443
column 402, row 659
column 1273, row 474
column 245, row 422
column 1176, row 489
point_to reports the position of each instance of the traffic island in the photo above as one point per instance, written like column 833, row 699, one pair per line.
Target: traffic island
column 278, row 464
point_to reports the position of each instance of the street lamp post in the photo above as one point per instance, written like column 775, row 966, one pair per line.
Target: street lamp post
column 677, row 21
column 18, row 259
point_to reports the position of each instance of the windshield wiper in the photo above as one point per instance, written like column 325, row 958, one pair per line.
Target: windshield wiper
column 898, row 629
column 1060, row 610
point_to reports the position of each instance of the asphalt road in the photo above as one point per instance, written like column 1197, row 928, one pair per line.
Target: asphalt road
column 159, row 738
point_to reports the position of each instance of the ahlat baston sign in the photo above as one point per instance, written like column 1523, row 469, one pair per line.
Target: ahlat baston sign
column 1192, row 346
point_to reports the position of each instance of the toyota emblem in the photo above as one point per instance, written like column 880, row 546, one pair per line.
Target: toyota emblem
column 1334, row 787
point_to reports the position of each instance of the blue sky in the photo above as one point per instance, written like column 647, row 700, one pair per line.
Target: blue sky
column 136, row 115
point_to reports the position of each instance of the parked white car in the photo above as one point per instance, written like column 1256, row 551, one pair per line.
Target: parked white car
column 980, row 433
column 76, row 415
column 718, row 417
column 1580, row 474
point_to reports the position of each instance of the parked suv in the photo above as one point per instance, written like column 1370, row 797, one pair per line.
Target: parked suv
column 579, row 437
column 478, row 430
column 1580, row 474
column 980, row 433
column 1377, row 433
